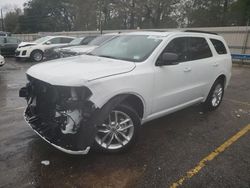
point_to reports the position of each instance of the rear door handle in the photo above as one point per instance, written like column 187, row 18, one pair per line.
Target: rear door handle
column 187, row 69
column 216, row 64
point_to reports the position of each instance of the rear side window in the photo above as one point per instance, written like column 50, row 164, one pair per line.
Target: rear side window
column 66, row 40
column 55, row 40
column 198, row 48
column 219, row 46
column 87, row 40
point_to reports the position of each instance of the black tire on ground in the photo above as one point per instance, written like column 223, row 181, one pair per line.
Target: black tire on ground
column 36, row 55
column 209, row 104
column 136, row 122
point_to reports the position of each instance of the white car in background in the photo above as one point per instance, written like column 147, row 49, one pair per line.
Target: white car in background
column 2, row 61
column 35, row 50
column 79, row 50
column 101, row 99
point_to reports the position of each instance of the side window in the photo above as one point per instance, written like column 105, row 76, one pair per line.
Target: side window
column 55, row 40
column 2, row 40
column 219, row 46
column 86, row 40
column 198, row 48
column 179, row 47
column 66, row 40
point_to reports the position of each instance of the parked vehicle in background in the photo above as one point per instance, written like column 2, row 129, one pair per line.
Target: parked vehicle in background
column 35, row 50
column 78, row 50
column 8, row 45
column 2, row 61
column 101, row 99
column 5, row 34
column 53, row 53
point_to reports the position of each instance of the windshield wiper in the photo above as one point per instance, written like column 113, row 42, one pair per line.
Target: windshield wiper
column 107, row 56
column 89, row 53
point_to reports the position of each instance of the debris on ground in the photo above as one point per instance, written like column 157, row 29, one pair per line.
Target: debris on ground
column 45, row 162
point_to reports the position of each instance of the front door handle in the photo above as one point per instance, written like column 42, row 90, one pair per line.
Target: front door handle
column 187, row 69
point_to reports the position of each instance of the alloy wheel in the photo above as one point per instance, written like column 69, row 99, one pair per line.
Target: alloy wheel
column 38, row 56
column 116, row 132
column 217, row 95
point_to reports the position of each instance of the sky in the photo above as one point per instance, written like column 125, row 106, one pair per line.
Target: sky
column 6, row 5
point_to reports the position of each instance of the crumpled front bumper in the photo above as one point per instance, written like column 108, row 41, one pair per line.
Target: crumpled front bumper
column 66, row 123
column 72, row 152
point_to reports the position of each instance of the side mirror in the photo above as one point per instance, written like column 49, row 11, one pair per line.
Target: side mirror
column 167, row 59
column 48, row 43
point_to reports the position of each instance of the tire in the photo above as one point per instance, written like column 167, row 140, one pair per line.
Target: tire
column 111, row 137
column 37, row 55
column 215, row 96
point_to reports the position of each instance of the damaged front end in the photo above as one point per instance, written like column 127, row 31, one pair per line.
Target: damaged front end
column 63, row 116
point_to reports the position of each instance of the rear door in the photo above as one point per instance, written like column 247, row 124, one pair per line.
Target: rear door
column 200, row 59
column 2, row 45
column 11, row 45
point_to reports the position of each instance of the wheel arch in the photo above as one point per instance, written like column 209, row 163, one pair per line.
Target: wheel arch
column 37, row 50
column 131, row 99
column 223, row 78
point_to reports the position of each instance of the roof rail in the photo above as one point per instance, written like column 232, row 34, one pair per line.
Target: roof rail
column 197, row 31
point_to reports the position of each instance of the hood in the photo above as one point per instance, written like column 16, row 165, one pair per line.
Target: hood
column 79, row 49
column 77, row 71
column 24, row 44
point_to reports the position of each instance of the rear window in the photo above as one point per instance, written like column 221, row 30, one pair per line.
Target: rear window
column 219, row 46
column 198, row 48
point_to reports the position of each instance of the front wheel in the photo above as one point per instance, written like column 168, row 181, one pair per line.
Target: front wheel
column 37, row 56
column 215, row 96
column 118, row 131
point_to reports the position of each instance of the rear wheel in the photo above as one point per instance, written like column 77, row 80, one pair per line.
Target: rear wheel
column 118, row 130
column 37, row 56
column 215, row 96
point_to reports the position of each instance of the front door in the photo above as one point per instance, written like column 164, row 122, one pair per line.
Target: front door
column 172, row 82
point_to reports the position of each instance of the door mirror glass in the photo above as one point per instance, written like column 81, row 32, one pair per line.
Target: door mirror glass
column 168, row 58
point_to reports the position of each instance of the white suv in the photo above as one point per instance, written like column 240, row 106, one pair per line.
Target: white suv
column 2, row 61
column 35, row 50
column 101, row 99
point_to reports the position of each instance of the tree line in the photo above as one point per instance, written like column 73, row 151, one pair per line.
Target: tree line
column 73, row 15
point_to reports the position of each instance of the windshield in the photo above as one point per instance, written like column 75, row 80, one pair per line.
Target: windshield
column 41, row 40
column 76, row 41
column 134, row 48
column 101, row 39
